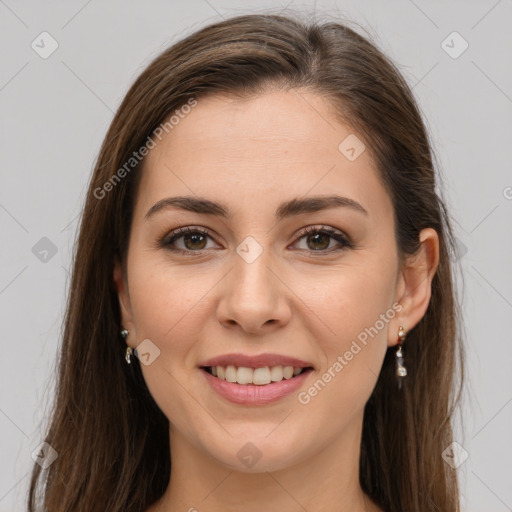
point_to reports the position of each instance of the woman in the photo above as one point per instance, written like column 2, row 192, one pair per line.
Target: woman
column 261, row 314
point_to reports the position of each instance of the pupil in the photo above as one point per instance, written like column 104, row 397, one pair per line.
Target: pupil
column 320, row 235
column 196, row 239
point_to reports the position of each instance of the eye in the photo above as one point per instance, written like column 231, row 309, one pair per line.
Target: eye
column 321, row 237
column 194, row 239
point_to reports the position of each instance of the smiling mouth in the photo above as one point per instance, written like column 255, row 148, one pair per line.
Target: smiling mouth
column 255, row 376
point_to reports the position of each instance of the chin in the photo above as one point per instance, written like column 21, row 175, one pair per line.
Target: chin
column 248, row 454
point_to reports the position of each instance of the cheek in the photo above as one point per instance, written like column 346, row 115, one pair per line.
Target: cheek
column 353, row 310
column 166, row 303
column 169, row 305
column 162, row 295
column 348, row 300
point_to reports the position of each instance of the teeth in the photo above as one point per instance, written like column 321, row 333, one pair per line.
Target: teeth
column 258, row 376
column 231, row 373
column 288, row 372
column 276, row 373
column 244, row 375
column 261, row 376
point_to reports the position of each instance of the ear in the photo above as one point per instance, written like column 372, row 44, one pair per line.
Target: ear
column 414, row 284
column 123, row 294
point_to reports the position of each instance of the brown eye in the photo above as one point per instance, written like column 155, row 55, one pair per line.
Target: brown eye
column 192, row 240
column 195, row 240
column 318, row 239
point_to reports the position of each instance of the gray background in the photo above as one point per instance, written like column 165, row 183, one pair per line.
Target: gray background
column 55, row 113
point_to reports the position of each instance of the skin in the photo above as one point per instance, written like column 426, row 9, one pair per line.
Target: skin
column 251, row 155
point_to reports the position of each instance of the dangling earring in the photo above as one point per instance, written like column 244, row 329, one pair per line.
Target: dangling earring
column 129, row 351
column 401, row 371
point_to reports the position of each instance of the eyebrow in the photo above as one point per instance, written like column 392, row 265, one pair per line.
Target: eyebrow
column 295, row 206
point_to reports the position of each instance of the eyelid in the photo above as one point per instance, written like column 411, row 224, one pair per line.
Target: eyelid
column 174, row 234
column 314, row 228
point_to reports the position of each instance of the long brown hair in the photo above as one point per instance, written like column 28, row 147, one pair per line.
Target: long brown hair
column 111, row 438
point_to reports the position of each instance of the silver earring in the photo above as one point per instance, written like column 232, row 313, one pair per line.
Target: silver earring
column 129, row 351
column 401, row 371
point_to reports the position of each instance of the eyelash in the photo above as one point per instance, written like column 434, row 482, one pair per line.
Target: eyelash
column 169, row 239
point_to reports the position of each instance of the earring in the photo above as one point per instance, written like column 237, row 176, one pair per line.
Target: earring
column 129, row 351
column 401, row 371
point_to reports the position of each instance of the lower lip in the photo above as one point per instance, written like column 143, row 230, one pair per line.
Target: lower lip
column 252, row 394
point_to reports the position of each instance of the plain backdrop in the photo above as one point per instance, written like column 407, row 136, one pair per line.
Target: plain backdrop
column 55, row 112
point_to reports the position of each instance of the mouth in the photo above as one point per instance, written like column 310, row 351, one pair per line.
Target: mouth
column 261, row 376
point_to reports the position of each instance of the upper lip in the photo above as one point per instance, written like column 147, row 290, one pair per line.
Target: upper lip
column 257, row 361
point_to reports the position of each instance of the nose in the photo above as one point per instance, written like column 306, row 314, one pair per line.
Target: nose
column 254, row 297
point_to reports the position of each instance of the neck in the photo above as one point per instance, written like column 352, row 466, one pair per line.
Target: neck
column 327, row 480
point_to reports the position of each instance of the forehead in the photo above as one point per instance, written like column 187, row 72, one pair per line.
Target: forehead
column 269, row 147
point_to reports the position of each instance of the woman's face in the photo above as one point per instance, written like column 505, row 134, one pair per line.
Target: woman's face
column 256, row 284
